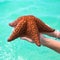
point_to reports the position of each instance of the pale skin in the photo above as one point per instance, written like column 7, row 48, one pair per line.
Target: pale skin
column 50, row 43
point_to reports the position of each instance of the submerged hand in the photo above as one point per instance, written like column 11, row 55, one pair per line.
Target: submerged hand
column 30, row 40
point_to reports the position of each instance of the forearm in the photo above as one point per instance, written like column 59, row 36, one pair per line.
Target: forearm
column 53, row 44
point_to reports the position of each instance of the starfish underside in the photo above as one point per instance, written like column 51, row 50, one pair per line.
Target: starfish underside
column 30, row 27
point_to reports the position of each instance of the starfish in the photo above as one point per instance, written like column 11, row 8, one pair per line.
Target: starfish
column 30, row 27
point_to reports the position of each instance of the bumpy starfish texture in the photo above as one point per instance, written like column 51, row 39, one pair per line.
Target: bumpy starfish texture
column 30, row 27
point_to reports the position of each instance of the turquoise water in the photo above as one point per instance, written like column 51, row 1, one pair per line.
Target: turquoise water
column 47, row 10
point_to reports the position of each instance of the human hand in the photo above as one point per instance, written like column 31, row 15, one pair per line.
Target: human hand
column 30, row 40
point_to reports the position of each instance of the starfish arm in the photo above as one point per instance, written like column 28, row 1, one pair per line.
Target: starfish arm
column 18, row 30
column 42, row 26
column 14, row 23
column 33, row 32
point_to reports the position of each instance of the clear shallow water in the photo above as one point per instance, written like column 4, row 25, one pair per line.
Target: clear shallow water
column 10, row 10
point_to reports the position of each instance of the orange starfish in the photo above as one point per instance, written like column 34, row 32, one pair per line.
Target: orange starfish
column 29, row 26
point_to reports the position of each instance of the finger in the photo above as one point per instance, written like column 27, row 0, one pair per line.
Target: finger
column 27, row 39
